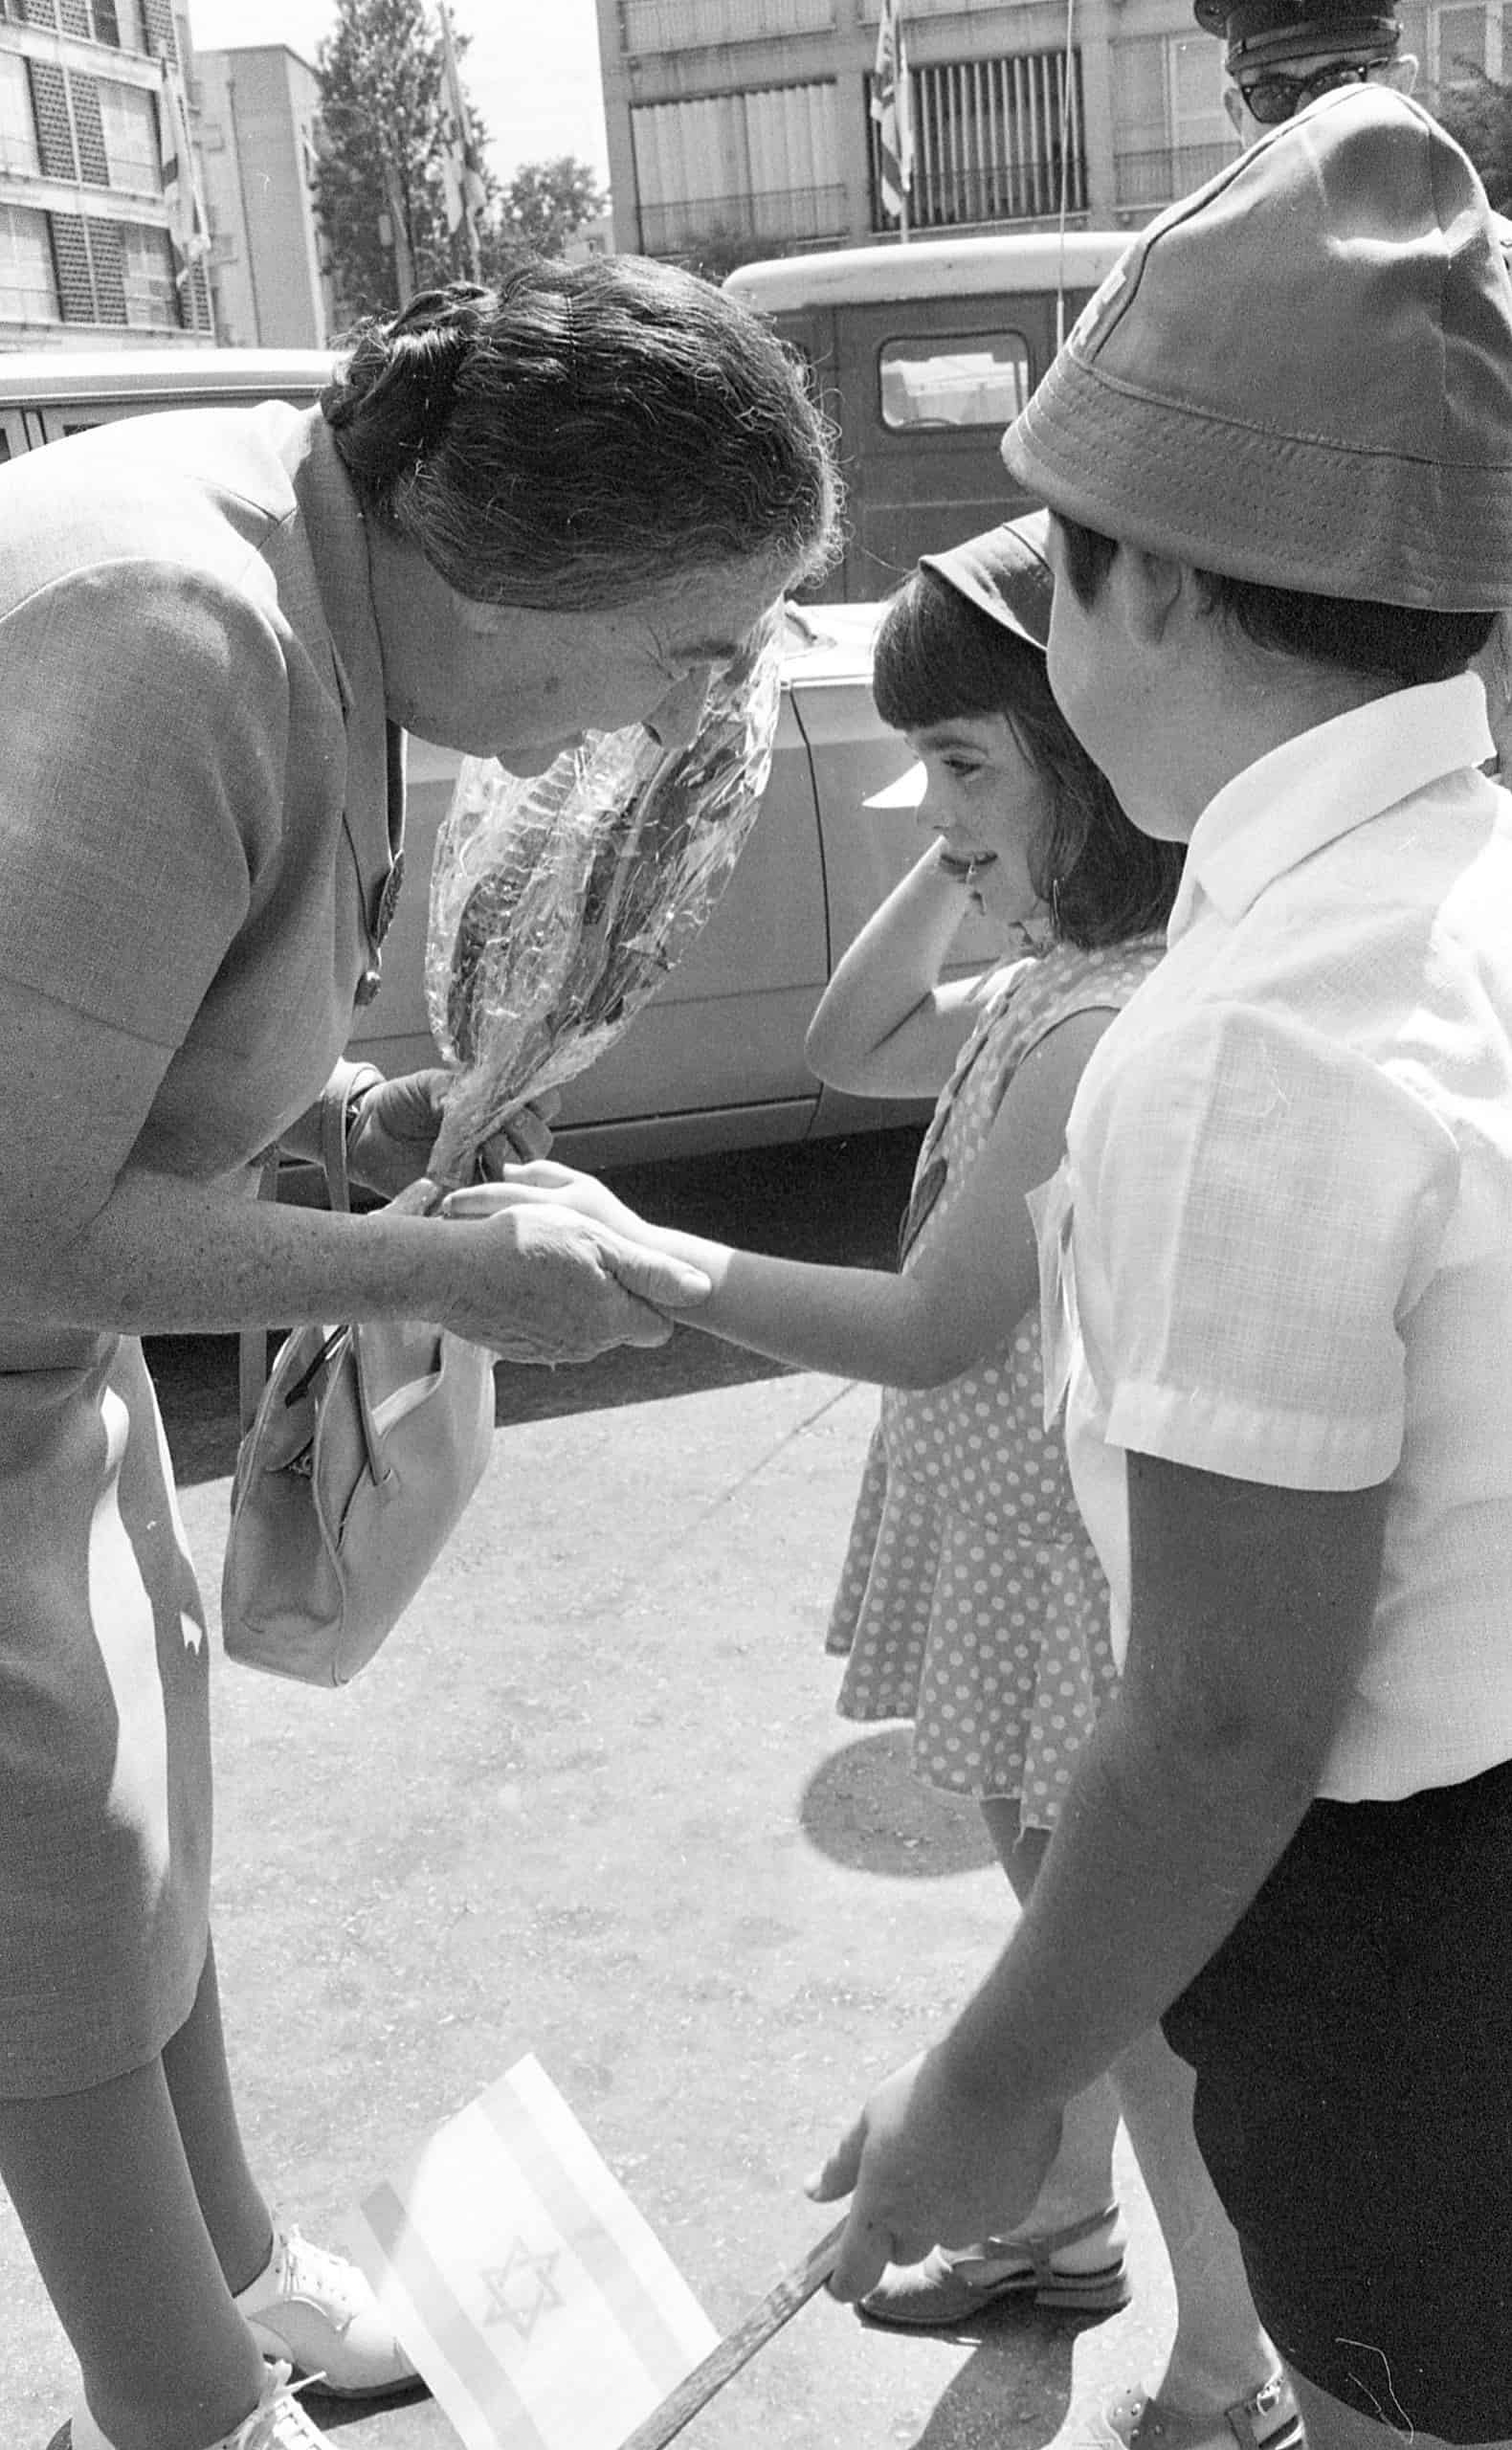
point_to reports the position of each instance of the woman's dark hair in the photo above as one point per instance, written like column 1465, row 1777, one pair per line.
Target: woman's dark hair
column 938, row 658
column 1402, row 644
column 583, row 431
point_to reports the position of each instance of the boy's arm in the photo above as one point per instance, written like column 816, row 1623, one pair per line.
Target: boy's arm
column 886, row 1026
column 1252, row 1612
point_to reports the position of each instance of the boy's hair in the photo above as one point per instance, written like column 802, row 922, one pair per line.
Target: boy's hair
column 937, row 659
column 1400, row 643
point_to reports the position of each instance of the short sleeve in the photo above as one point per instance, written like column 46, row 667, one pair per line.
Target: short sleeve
column 1259, row 1209
column 141, row 788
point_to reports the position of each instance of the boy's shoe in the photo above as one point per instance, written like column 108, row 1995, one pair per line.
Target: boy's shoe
column 1268, row 2419
column 315, row 2310
column 1080, row 2269
column 277, row 2423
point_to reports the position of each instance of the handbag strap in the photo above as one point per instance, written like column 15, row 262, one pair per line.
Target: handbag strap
column 347, row 1083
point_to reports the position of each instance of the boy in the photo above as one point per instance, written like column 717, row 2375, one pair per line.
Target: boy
column 1279, row 449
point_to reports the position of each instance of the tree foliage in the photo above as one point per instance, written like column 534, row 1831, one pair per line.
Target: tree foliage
column 545, row 203
column 1479, row 116
column 380, row 156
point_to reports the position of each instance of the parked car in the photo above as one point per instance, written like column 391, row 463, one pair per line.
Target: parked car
column 715, row 1061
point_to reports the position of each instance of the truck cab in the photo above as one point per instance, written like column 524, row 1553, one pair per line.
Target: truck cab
column 922, row 353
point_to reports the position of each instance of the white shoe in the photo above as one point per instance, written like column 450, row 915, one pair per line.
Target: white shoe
column 316, row 2312
column 277, row 2423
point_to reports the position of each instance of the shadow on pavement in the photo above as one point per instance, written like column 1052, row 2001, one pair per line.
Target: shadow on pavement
column 864, row 1809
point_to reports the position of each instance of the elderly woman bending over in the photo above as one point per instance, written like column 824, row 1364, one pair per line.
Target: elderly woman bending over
column 517, row 515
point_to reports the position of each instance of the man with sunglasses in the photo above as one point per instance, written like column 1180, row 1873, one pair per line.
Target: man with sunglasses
column 1284, row 53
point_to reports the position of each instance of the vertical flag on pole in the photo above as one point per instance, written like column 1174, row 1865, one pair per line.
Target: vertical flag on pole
column 891, row 111
column 462, row 187
column 187, row 220
column 524, row 2283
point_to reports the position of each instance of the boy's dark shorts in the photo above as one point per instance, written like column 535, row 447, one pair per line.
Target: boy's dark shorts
column 1352, row 2040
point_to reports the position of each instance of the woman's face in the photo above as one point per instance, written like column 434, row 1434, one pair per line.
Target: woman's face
column 990, row 807
column 519, row 684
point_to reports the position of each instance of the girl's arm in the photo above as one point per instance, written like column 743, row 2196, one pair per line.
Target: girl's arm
column 955, row 1309
column 886, row 1026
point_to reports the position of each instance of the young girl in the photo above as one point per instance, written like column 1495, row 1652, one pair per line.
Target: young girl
column 970, row 1601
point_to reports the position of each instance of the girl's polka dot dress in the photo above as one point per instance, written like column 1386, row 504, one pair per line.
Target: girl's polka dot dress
column 971, row 1600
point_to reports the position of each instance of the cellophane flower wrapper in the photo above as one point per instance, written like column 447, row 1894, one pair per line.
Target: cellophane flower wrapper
column 560, row 902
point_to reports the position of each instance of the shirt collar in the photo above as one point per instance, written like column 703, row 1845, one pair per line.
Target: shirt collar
column 1321, row 784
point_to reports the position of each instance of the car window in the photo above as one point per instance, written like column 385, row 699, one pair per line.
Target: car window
column 955, row 379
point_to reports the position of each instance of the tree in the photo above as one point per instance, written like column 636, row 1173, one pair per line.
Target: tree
column 545, row 202
column 1479, row 116
column 378, row 189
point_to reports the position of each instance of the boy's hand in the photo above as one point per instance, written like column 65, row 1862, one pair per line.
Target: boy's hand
column 930, row 2163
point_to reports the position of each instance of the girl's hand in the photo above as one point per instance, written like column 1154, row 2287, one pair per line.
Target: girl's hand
column 557, row 1187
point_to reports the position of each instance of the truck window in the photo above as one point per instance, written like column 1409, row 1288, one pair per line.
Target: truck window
column 954, row 379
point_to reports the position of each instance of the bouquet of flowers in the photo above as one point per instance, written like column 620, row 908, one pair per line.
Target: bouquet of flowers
column 559, row 902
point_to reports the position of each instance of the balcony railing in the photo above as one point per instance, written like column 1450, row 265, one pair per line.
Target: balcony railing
column 1024, row 190
column 1148, row 179
column 780, row 216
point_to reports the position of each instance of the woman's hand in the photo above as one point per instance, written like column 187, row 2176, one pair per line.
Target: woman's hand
column 930, row 2162
column 544, row 1181
column 394, row 1127
column 540, row 1282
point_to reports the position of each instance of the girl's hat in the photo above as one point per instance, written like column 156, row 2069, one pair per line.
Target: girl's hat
column 1301, row 375
column 1005, row 574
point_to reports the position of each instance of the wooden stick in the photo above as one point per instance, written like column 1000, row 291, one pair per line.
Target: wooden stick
column 738, row 2346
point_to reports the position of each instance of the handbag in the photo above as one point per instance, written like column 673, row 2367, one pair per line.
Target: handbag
column 362, row 1450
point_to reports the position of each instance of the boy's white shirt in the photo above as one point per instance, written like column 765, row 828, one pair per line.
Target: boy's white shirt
column 1281, row 1246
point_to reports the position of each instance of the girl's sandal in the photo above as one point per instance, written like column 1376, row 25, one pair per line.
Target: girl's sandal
column 952, row 2286
column 1268, row 2419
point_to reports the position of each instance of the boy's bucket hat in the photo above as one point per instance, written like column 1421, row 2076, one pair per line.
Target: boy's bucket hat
column 1301, row 375
column 1006, row 573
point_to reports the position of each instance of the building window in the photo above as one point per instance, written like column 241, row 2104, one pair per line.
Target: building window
column 129, row 119
column 978, row 378
column 1169, row 128
column 18, row 146
column 149, row 273
column 750, row 165
column 651, row 26
column 994, row 139
column 28, row 281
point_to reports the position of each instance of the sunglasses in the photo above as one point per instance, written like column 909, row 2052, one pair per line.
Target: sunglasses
column 1272, row 98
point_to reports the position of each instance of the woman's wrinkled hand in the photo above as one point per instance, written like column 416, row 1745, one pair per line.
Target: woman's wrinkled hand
column 545, row 1183
column 930, row 2161
column 538, row 1283
column 393, row 1131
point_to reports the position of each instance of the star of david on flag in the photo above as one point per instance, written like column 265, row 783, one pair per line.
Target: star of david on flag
column 891, row 112
column 535, row 2300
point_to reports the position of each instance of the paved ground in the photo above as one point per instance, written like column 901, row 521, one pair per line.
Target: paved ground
column 592, row 1802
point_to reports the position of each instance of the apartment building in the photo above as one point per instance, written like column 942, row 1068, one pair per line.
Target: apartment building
column 101, row 236
column 746, row 125
column 258, row 128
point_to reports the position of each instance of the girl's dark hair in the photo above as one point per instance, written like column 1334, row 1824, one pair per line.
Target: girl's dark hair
column 1402, row 644
column 583, row 431
column 937, row 659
